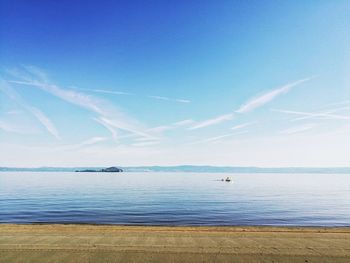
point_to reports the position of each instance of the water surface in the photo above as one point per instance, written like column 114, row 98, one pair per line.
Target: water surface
column 175, row 198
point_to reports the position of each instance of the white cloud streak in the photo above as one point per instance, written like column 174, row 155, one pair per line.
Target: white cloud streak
column 131, row 94
column 184, row 122
column 160, row 129
column 10, row 128
column 156, row 132
column 168, row 99
column 144, row 139
column 314, row 115
column 323, row 112
column 104, row 91
column 182, row 100
column 73, row 97
column 44, row 120
column 110, row 128
column 108, row 116
column 214, row 121
column 83, row 144
column 269, row 96
column 298, row 129
column 6, row 127
column 107, row 113
column 14, row 112
column 243, row 125
column 93, row 140
column 251, row 105
column 218, row 138
column 145, row 144
column 339, row 103
column 163, row 128
column 39, row 115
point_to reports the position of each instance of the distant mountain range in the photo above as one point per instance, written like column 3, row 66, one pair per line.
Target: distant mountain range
column 191, row 168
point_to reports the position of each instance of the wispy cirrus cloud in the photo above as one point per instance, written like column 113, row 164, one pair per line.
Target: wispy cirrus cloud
column 168, row 99
column 104, row 91
column 73, row 97
column 243, row 125
column 112, row 92
column 88, row 142
column 213, row 121
column 250, row 105
column 322, row 113
column 45, row 121
column 156, row 133
column 9, row 127
column 269, row 96
column 183, row 100
column 14, row 112
column 145, row 144
column 160, row 129
column 6, row 127
column 107, row 114
column 93, row 140
column 184, row 122
column 314, row 115
column 146, row 139
column 109, row 127
column 175, row 125
column 298, row 129
column 218, row 138
column 339, row 103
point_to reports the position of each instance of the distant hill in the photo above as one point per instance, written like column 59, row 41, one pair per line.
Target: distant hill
column 46, row 169
column 231, row 169
column 190, row 168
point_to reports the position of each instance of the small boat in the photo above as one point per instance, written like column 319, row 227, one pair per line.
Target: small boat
column 228, row 179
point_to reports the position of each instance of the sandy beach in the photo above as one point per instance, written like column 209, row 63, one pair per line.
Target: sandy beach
column 101, row 243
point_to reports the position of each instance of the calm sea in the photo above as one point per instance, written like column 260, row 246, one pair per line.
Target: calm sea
column 175, row 198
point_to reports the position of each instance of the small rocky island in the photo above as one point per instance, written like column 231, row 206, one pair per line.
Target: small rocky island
column 105, row 170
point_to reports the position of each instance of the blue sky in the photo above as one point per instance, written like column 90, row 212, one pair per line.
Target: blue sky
column 248, row 83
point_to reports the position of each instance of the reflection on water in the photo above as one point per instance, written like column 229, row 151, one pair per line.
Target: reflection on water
column 175, row 198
